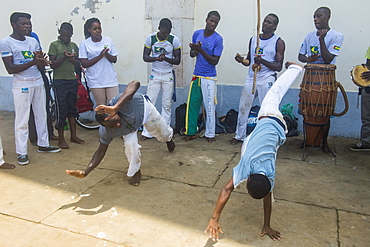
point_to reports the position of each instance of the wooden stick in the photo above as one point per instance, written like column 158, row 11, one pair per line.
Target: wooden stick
column 257, row 43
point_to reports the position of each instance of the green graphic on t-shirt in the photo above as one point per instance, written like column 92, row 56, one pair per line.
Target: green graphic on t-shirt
column 27, row 54
column 259, row 51
column 159, row 49
column 314, row 49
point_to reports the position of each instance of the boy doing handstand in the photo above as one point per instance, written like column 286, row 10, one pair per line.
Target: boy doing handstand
column 122, row 117
column 257, row 165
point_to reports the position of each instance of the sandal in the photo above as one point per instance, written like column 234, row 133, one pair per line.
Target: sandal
column 7, row 166
column 211, row 139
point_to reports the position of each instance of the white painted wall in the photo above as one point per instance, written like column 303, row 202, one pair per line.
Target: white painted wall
column 122, row 20
column 128, row 22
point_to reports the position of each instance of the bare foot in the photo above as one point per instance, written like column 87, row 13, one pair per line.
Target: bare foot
column 188, row 138
column 77, row 140
column 234, row 141
column 171, row 146
column 76, row 173
column 62, row 144
column 135, row 180
column 7, row 166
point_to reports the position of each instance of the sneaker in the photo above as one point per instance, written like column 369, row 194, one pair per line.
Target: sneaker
column 23, row 159
column 49, row 149
column 360, row 147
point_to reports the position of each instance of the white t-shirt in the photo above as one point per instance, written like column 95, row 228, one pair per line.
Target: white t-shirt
column 158, row 47
column 311, row 44
column 101, row 74
column 22, row 52
column 267, row 50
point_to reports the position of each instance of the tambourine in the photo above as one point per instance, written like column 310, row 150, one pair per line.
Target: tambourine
column 356, row 73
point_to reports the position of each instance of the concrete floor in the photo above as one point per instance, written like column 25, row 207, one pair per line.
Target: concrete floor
column 322, row 201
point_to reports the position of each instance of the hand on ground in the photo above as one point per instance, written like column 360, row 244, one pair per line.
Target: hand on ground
column 274, row 235
column 214, row 228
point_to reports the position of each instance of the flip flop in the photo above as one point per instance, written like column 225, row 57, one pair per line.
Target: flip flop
column 211, row 139
column 7, row 166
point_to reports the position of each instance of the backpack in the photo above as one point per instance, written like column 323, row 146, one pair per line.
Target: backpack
column 291, row 124
column 290, row 120
column 252, row 119
column 220, row 127
column 83, row 102
column 230, row 121
column 180, row 114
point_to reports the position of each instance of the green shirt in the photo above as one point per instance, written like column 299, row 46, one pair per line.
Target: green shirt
column 66, row 71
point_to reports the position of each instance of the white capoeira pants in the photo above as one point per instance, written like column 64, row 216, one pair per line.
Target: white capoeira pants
column 202, row 89
column 246, row 101
column 23, row 98
column 156, row 126
column 271, row 102
column 156, row 82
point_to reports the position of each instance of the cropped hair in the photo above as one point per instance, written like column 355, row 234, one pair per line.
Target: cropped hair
column 166, row 23
column 66, row 26
column 215, row 13
column 88, row 25
column 276, row 18
column 258, row 186
column 326, row 10
column 100, row 118
column 16, row 15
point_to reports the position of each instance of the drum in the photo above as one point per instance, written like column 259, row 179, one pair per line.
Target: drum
column 356, row 73
column 318, row 96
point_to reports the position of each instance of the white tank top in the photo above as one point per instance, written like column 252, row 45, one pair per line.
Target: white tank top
column 267, row 50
